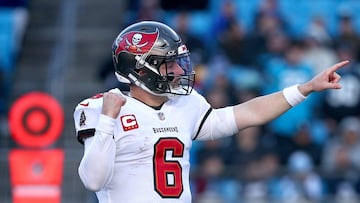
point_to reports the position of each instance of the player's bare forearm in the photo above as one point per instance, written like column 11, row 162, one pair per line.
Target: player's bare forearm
column 260, row 110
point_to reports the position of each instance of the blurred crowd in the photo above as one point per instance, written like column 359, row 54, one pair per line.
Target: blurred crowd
column 311, row 153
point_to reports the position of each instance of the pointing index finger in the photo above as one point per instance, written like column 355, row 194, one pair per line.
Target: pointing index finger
column 338, row 65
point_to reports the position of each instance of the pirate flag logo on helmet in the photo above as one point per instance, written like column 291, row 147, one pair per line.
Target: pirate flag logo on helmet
column 136, row 42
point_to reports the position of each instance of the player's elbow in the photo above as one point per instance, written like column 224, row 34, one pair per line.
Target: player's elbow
column 92, row 186
column 90, row 183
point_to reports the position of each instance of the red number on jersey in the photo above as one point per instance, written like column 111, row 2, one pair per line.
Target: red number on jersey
column 167, row 173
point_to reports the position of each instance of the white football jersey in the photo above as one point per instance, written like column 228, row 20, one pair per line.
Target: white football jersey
column 152, row 147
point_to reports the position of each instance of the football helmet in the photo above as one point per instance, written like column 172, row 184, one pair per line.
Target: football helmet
column 139, row 51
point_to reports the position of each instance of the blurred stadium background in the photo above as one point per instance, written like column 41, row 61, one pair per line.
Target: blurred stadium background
column 240, row 49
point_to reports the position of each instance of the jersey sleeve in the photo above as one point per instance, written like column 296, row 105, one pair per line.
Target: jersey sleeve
column 202, row 108
column 218, row 123
column 213, row 123
column 86, row 117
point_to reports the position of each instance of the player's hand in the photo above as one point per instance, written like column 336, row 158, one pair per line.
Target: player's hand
column 112, row 104
column 327, row 79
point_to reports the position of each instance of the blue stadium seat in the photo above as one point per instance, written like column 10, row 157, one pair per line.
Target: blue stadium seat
column 7, row 38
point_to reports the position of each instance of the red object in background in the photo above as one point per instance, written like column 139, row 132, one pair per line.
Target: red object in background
column 36, row 120
column 36, row 175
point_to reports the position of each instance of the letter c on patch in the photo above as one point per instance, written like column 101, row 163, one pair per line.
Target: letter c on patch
column 129, row 122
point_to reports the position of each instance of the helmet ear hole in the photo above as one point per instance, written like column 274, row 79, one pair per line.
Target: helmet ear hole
column 155, row 61
column 126, row 62
column 161, row 86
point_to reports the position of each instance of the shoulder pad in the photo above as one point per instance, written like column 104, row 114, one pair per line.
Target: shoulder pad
column 92, row 102
column 86, row 115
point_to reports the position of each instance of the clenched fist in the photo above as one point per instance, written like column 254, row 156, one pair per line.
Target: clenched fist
column 112, row 104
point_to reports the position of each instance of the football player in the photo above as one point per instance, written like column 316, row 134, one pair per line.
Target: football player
column 136, row 144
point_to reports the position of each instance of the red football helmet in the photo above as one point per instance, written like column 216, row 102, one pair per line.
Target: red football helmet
column 146, row 46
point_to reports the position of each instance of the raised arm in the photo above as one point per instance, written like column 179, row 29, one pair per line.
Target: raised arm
column 263, row 109
column 96, row 166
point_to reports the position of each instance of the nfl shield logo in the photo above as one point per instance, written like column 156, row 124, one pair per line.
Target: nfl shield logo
column 161, row 116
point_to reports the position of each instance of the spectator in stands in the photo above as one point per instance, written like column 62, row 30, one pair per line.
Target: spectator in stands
column 346, row 32
column 271, row 9
column 267, row 21
column 317, row 28
column 254, row 187
column 253, row 164
column 301, row 183
column 223, row 20
column 303, row 141
column 144, row 10
column 193, row 42
column 202, row 72
column 275, row 46
column 235, row 44
column 217, row 97
column 346, row 102
column 149, row 10
column 280, row 73
column 211, row 182
column 245, row 147
column 318, row 46
column 341, row 161
column 219, row 81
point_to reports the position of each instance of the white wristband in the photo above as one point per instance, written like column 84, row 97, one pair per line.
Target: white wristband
column 292, row 95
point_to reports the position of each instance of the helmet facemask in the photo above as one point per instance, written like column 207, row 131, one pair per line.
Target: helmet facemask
column 164, row 81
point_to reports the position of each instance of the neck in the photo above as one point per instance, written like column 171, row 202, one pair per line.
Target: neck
column 146, row 97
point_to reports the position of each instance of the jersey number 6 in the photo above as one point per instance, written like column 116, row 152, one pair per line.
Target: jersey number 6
column 167, row 173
